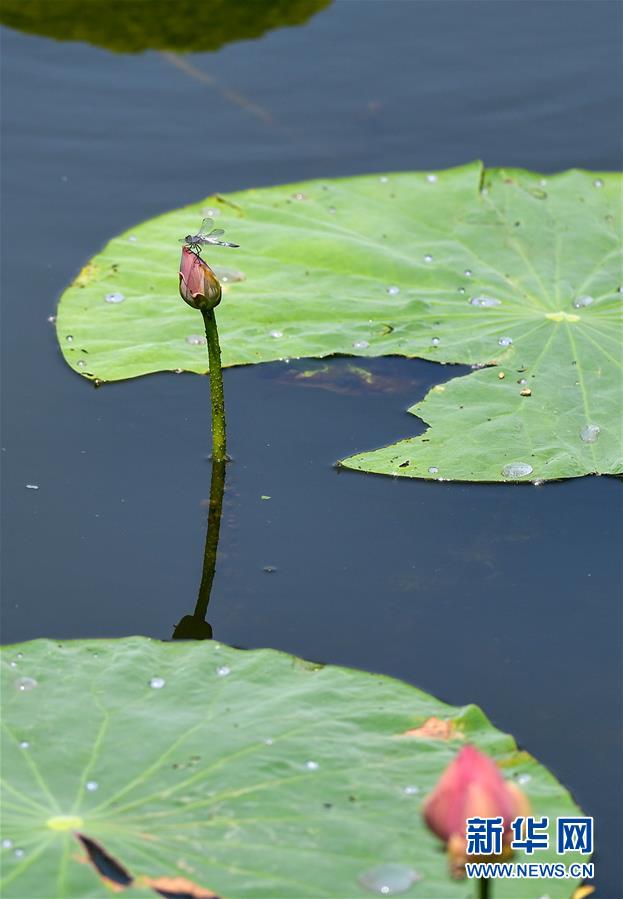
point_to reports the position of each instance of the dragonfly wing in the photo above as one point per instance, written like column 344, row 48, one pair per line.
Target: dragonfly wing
column 206, row 226
column 216, row 232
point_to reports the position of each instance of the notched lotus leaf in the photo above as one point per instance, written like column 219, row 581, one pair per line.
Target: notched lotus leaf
column 109, row 869
column 248, row 772
column 178, row 888
column 498, row 269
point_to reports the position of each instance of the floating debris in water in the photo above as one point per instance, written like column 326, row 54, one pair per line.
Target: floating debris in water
column 517, row 470
column 157, row 683
column 393, row 290
column 25, row 684
column 590, row 433
column 223, row 671
column 91, row 786
column 361, row 344
column 195, row 340
column 581, row 302
column 114, row 298
column 390, row 879
column 32, row 486
column 484, row 301
column 505, row 341
column 269, row 569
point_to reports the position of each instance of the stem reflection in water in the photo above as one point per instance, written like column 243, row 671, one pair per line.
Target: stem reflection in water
column 195, row 626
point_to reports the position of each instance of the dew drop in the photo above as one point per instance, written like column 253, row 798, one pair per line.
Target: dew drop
column 431, row 178
column 7, row 844
column 524, row 779
column 223, row 671
column 80, row 363
column 361, row 344
column 195, row 340
column 581, row 302
column 268, row 742
column 312, row 766
column 598, row 182
column 114, row 298
column 157, row 683
column 484, row 301
column 517, row 470
column 389, row 880
column 434, row 341
column 433, row 469
column 590, row 433
column 428, row 258
column 69, row 338
column 383, row 179
column 91, row 786
column 468, row 272
column 276, row 334
column 32, row 486
column 212, row 213
column 393, row 290
column 25, row 684
column 13, row 664
column 24, row 744
column 505, row 341
column 522, row 381
column 411, row 791
column 19, row 853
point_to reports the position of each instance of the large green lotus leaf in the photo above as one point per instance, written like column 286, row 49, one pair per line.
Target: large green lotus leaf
column 130, row 26
column 515, row 274
column 251, row 773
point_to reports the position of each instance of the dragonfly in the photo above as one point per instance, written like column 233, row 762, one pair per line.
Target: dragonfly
column 206, row 235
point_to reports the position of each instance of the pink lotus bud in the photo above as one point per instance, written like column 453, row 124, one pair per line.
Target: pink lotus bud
column 199, row 286
column 471, row 787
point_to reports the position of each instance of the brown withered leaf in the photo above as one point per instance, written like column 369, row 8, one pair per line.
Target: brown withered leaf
column 112, row 872
column 583, row 891
column 435, row 729
column 178, row 888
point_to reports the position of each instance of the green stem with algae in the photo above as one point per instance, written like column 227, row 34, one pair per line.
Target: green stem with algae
column 219, row 439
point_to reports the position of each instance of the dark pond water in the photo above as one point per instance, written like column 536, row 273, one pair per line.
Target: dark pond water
column 509, row 597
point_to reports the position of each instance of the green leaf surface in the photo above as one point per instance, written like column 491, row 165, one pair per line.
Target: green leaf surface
column 514, row 274
column 251, row 773
column 131, row 26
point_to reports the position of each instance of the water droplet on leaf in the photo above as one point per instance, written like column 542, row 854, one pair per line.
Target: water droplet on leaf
column 598, row 182
column 590, row 433
column 223, row 671
column 312, row 766
column 434, row 341
column 581, row 302
column 91, row 786
column 361, row 344
column 389, row 880
column 505, row 341
column 433, row 469
column 484, row 301
column 114, row 298
column 276, row 334
column 428, row 258
column 25, row 684
column 468, row 272
column 517, row 470
column 393, row 290
column 195, row 340
column 157, row 683
column 24, row 744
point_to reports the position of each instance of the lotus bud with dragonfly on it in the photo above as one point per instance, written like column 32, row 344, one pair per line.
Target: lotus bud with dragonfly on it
column 200, row 288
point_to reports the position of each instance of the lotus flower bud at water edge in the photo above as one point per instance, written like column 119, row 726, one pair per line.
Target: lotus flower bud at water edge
column 199, row 286
column 471, row 787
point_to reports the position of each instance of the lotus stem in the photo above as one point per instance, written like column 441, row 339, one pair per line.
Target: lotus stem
column 484, row 888
column 219, row 439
